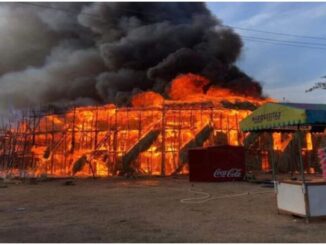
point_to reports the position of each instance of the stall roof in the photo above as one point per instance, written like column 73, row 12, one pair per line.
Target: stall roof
column 284, row 116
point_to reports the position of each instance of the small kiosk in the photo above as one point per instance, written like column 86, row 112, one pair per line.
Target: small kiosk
column 303, row 197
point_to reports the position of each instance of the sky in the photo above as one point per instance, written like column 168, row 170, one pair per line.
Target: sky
column 285, row 71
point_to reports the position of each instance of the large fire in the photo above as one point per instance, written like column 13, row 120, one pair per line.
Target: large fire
column 195, row 88
column 151, row 137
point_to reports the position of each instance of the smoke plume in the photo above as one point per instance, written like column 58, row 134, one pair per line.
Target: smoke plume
column 106, row 52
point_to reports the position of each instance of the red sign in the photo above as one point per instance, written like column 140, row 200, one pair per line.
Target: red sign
column 218, row 163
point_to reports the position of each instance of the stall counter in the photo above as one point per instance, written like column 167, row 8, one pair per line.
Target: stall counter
column 306, row 199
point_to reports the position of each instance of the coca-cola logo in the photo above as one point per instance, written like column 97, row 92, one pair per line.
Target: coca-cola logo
column 229, row 173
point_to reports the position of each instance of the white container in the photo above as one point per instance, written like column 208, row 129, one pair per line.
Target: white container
column 307, row 200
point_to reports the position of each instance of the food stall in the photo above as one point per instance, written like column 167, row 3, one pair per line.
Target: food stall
column 305, row 197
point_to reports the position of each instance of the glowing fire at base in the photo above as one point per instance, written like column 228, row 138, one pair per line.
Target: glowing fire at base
column 282, row 140
column 264, row 161
column 309, row 141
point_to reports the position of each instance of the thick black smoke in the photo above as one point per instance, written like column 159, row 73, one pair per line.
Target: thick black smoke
column 104, row 52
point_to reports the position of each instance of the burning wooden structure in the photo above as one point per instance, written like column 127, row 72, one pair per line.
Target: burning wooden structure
column 108, row 140
column 152, row 140
column 151, row 137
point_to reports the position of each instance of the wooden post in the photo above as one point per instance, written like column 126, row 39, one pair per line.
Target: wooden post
column 228, row 129
column 34, row 127
column 300, row 156
column 221, row 121
column 108, row 161
column 4, row 151
column 163, row 141
column 33, row 139
column 96, row 125
column 201, row 114
column 213, row 125
column 115, row 137
column 173, row 144
column 304, row 185
column 272, row 158
column 72, row 149
column 179, row 135
column 8, row 144
column 65, row 150
column 52, row 144
column 126, row 141
column 238, row 129
column 139, row 136
column 25, row 140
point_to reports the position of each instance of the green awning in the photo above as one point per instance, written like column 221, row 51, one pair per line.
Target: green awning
column 282, row 115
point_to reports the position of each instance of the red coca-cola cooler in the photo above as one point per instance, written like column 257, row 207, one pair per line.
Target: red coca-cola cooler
column 216, row 163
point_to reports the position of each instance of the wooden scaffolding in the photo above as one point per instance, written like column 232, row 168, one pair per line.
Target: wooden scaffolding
column 106, row 140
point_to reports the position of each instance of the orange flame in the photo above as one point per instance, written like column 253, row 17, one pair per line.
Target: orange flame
column 185, row 86
column 151, row 137
column 309, row 142
column 277, row 141
column 147, row 99
column 265, row 162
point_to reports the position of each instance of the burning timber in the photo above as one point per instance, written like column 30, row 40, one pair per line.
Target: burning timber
column 106, row 140
column 150, row 138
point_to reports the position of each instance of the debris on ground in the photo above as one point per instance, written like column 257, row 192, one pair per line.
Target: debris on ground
column 20, row 209
column 12, row 181
column 33, row 181
column 43, row 178
column 2, row 185
column 69, row 182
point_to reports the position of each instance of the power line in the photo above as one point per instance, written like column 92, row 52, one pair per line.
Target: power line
column 282, row 44
column 276, row 33
column 317, row 45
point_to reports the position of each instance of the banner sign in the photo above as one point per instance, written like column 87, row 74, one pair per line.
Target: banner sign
column 271, row 116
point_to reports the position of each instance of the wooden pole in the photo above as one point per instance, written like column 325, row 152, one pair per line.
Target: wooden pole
column 163, row 141
column 272, row 158
column 179, row 135
column 228, row 128
column 108, row 161
column 52, row 145
column 139, row 136
column 33, row 139
column 300, row 157
column 72, row 149
column 213, row 125
column 25, row 140
column 115, row 138
column 65, row 150
column 96, row 127
column 4, row 147
column 304, row 185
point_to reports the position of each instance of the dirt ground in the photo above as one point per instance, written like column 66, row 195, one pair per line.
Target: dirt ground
column 147, row 210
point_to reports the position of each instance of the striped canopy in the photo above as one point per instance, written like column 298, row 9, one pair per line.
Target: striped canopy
column 285, row 116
